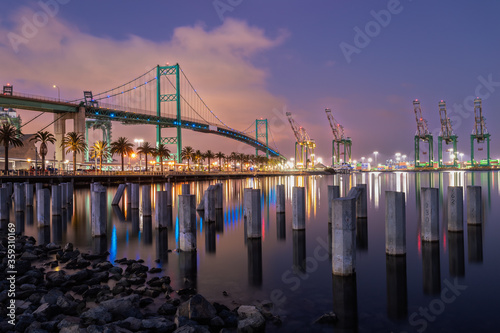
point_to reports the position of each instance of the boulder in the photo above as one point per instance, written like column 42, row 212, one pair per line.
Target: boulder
column 197, row 308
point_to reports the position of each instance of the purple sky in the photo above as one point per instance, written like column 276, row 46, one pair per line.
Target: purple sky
column 253, row 59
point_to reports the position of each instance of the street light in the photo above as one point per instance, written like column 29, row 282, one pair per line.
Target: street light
column 58, row 92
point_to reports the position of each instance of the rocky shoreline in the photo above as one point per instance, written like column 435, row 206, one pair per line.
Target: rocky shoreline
column 83, row 292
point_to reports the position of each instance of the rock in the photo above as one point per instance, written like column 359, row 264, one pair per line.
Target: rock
column 229, row 317
column 27, row 286
column 66, row 305
column 68, row 247
column 155, row 270
column 52, row 296
column 251, row 319
column 117, row 289
column 29, row 256
column 80, row 275
column 158, row 324
column 68, row 322
column 23, row 321
column 56, row 278
column 136, row 268
column 70, row 329
column 181, row 321
column 115, row 270
column 52, row 246
column 81, row 289
column 329, row 318
column 22, row 266
column 167, row 309
column 98, row 315
column 217, row 322
column 124, row 307
column 92, row 292
column 145, row 302
column 95, row 329
column 104, row 266
column 192, row 328
column 45, row 311
column 197, row 308
column 131, row 323
column 50, row 326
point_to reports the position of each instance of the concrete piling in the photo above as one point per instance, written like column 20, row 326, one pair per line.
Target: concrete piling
column 252, row 212
column 280, row 199
column 161, row 211
column 129, row 193
column 395, row 223
column 474, row 205
column 4, row 206
column 219, row 196
column 99, row 213
column 456, row 254
column 333, row 193
column 146, row 200
column 185, row 189
column 455, row 203
column 29, row 194
column 38, row 186
column 298, row 208
column 168, row 190
column 118, row 194
column 43, row 207
column 209, row 204
column 187, row 222
column 19, row 197
column 134, row 195
column 344, row 236
column 362, row 202
column 429, row 214
column 56, row 200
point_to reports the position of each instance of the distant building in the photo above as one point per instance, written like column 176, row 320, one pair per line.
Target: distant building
column 18, row 156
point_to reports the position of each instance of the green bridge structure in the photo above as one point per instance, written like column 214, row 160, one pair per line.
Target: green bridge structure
column 163, row 97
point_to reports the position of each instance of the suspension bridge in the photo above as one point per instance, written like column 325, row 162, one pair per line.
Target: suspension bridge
column 163, row 97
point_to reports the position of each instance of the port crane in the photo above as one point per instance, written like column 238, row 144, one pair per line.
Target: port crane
column 304, row 145
column 338, row 140
column 479, row 132
column 447, row 135
column 422, row 134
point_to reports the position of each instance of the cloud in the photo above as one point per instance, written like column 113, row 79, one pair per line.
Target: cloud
column 218, row 62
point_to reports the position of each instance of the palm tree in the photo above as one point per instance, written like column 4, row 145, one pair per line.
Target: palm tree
column 187, row 154
column 209, row 155
column 146, row 149
column 220, row 155
column 162, row 152
column 10, row 136
column 100, row 150
column 123, row 147
column 74, row 143
column 241, row 157
column 199, row 158
column 44, row 137
column 234, row 157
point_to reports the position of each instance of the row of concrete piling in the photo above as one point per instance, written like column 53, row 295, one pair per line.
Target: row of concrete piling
column 23, row 195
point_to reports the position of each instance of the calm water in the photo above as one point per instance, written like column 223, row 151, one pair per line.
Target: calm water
column 293, row 268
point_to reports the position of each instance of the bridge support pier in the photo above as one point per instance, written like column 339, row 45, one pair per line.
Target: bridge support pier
column 60, row 130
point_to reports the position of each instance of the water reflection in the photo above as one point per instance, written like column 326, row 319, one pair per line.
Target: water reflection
column 99, row 245
column 299, row 250
column 280, row 226
column 135, row 221
column 57, row 228
column 147, row 229
column 362, row 234
column 219, row 221
column 456, row 253
column 162, row 245
column 397, row 293
column 29, row 215
column 345, row 303
column 475, row 243
column 19, row 222
column 431, row 268
column 188, row 269
column 210, row 232
column 254, row 248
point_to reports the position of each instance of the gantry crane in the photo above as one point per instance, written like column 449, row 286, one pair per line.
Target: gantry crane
column 479, row 133
column 304, row 145
column 446, row 134
column 422, row 134
column 338, row 139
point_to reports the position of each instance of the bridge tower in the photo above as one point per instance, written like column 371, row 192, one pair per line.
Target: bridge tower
column 446, row 134
column 160, row 98
column 479, row 133
column 258, row 134
column 422, row 134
